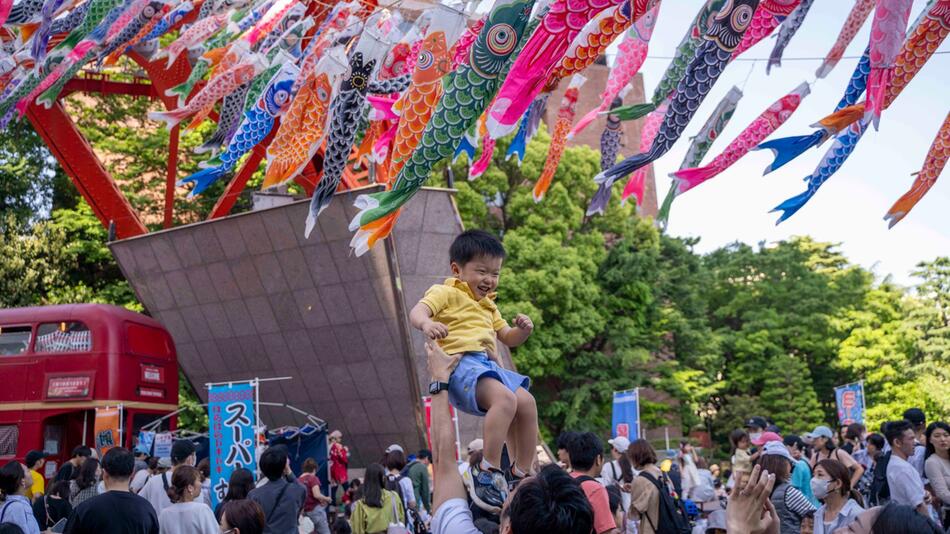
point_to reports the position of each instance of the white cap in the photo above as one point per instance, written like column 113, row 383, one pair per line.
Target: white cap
column 476, row 445
column 620, row 444
column 394, row 447
column 778, row 448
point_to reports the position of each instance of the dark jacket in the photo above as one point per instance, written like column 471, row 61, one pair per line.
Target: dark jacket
column 282, row 501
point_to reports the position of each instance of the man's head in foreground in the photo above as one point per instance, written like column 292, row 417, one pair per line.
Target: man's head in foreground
column 548, row 502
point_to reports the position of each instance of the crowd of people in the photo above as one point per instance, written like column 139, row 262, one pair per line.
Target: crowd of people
column 891, row 482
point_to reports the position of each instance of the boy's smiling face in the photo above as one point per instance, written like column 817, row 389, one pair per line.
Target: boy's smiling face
column 480, row 273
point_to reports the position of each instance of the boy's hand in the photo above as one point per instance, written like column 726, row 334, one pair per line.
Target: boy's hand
column 434, row 330
column 440, row 364
column 523, row 322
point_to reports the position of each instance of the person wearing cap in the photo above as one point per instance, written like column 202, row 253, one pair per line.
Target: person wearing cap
column 919, row 421
column 618, row 471
column 755, row 426
column 34, row 462
column 825, row 448
column 790, row 504
column 156, row 488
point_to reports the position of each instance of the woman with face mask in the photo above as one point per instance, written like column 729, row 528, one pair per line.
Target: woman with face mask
column 825, row 449
column 832, row 485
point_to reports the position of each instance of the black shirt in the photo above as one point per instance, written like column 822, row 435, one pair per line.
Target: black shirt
column 48, row 511
column 113, row 512
column 65, row 472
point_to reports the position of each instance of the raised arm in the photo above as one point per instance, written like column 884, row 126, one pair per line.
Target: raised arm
column 421, row 319
column 518, row 334
column 448, row 482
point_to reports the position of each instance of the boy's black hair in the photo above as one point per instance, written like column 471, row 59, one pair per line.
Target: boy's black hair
column 584, row 450
column 424, row 454
column 82, row 450
column 896, row 429
column 273, row 462
column 565, row 439
column 549, row 502
column 118, row 462
column 471, row 244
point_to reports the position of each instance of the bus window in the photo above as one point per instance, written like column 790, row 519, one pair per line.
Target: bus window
column 9, row 435
column 71, row 336
column 147, row 341
column 15, row 339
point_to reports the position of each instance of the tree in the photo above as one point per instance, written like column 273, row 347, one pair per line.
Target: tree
column 27, row 173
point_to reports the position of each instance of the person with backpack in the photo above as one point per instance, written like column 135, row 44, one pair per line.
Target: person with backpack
column 282, row 497
column 395, row 462
column 619, row 472
column 790, row 504
column 379, row 508
column 417, row 471
column 659, row 512
column 586, row 453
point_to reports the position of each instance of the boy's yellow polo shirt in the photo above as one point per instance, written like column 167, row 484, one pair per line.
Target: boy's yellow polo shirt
column 472, row 323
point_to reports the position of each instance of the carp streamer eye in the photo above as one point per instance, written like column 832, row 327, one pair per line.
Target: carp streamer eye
column 741, row 18
column 501, row 39
column 425, row 60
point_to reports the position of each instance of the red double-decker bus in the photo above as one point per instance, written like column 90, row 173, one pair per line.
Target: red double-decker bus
column 59, row 363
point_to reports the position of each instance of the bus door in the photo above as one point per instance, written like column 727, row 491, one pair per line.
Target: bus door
column 64, row 432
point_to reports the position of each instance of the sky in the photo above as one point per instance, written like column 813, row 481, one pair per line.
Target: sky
column 849, row 208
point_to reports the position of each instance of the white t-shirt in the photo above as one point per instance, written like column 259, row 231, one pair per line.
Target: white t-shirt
column 187, row 518
column 454, row 517
column 612, row 475
column 139, row 480
column 155, row 492
column 904, row 482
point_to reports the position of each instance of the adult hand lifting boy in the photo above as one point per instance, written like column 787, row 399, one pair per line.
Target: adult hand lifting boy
column 462, row 316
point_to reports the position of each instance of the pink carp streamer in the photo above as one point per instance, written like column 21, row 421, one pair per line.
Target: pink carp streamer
column 919, row 47
column 565, row 116
column 197, row 33
column 593, row 40
column 633, row 52
column 859, row 13
column 482, row 163
column 651, row 125
column 754, row 133
column 545, row 48
column 934, row 163
column 887, row 35
column 766, row 18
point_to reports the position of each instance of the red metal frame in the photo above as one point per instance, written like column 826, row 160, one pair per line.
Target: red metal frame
column 77, row 158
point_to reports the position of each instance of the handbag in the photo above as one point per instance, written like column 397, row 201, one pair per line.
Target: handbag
column 395, row 527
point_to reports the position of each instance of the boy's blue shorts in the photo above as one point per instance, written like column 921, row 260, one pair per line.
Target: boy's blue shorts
column 473, row 366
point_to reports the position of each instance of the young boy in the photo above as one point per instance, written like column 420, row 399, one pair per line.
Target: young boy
column 461, row 314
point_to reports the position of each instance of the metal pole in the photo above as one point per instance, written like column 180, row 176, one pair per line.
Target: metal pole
column 257, row 427
column 640, row 432
column 85, row 417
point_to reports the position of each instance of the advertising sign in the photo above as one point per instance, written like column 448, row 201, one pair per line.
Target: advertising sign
column 626, row 414
column 231, row 421
column 850, row 401
column 106, row 428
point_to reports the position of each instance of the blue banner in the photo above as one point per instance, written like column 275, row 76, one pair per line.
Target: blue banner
column 850, row 401
column 231, row 422
column 626, row 414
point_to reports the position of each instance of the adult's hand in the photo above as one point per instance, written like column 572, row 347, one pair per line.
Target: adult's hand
column 440, row 364
column 749, row 509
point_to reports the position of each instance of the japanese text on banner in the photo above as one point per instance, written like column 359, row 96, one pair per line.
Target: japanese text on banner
column 231, row 421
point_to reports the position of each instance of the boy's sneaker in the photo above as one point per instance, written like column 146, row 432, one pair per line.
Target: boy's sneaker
column 489, row 489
